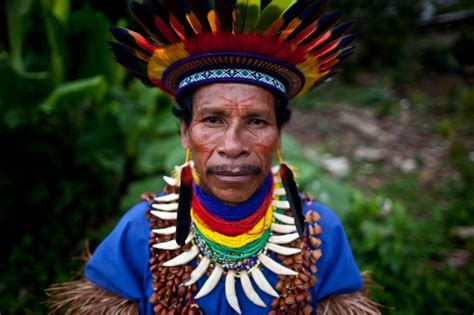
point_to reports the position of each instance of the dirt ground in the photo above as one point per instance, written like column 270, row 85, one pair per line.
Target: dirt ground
column 373, row 147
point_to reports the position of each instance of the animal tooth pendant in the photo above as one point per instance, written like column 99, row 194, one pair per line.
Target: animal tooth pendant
column 165, row 231
column 283, row 228
column 279, row 192
column 164, row 215
column 167, row 198
column 211, row 282
column 200, row 270
column 262, row 282
column 172, row 245
column 281, row 204
column 284, row 218
column 170, row 181
column 275, row 267
column 165, row 206
column 283, row 239
column 230, row 291
column 249, row 290
column 183, row 258
column 282, row 250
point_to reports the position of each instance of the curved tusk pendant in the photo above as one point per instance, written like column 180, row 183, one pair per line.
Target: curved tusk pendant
column 199, row 271
column 263, row 283
column 283, row 228
column 276, row 267
column 167, row 198
column 170, row 180
column 172, row 245
column 281, row 204
column 283, row 239
column 166, row 206
column 183, row 258
column 284, row 218
column 211, row 282
column 230, row 291
column 282, row 250
column 165, row 231
column 249, row 290
column 276, row 170
column 165, row 215
column 279, row 192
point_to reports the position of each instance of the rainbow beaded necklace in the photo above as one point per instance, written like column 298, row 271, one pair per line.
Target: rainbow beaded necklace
column 233, row 236
column 235, row 243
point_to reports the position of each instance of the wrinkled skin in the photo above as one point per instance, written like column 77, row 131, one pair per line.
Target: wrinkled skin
column 232, row 136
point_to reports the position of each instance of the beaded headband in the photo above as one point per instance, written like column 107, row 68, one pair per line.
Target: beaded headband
column 285, row 46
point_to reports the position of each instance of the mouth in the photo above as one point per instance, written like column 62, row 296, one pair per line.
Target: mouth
column 235, row 179
column 235, row 175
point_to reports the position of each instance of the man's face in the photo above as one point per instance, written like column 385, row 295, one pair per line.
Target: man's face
column 232, row 136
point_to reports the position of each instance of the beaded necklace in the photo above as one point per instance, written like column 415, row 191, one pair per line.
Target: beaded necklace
column 236, row 254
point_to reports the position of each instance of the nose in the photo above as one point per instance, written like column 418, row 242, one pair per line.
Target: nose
column 233, row 144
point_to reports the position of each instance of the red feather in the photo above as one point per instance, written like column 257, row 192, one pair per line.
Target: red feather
column 325, row 59
column 328, row 65
column 305, row 33
column 327, row 48
column 165, row 30
column 245, row 43
column 177, row 27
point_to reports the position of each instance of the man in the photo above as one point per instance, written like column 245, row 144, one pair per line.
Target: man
column 229, row 234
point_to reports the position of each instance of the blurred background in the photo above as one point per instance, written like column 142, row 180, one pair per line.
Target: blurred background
column 388, row 145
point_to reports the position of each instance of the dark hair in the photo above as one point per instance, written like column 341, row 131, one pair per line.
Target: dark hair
column 184, row 108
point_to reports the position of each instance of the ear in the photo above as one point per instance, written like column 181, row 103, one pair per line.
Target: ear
column 184, row 131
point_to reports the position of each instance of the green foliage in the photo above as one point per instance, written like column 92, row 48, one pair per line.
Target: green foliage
column 385, row 27
column 404, row 246
column 76, row 138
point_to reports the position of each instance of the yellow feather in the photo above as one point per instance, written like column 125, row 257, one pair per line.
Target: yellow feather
column 176, row 174
column 194, row 22
column 213, row 21
column 290, row 28
column 310, row 70
column 162, row 58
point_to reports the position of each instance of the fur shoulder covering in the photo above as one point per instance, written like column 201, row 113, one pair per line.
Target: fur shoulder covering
column 352, row 304
column 83, row 297
column 357, row 303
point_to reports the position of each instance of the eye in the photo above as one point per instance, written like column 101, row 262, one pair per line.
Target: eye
column 257, row 122
column 211, row 120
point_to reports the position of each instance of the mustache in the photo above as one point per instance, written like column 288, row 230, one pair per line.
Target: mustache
column 233, row 170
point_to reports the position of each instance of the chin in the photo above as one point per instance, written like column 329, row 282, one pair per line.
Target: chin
column 232, row 195
column 231, row 191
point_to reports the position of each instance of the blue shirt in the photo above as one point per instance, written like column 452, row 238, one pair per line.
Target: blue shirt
column 120, row 265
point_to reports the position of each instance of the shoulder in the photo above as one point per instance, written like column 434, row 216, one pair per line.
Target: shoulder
column 119, row 264
column 328, row 219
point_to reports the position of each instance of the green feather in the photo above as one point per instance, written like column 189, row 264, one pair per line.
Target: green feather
column 273, row 11
column 247, row 14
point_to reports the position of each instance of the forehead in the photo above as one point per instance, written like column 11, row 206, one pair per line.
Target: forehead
column 233, row 96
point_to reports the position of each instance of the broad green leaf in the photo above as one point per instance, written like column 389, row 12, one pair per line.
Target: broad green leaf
column 61, row 9
column 152, row 155
column 17, row 24
column 92, row 89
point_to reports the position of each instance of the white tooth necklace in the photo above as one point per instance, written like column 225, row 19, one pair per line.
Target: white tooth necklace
column 276, row 241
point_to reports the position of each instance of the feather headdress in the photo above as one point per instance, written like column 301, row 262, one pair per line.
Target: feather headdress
column 287, row 46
